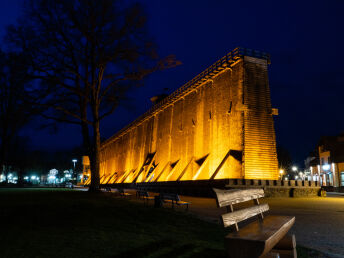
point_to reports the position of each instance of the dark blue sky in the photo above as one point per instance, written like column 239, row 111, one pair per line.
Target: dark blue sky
column 305, row 40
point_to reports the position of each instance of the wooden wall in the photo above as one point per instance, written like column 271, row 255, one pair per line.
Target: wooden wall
column 221, row 129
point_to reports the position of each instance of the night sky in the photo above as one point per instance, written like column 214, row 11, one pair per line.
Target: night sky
column 304, row 38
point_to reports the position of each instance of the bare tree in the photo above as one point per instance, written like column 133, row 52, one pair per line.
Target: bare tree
column 85, row 54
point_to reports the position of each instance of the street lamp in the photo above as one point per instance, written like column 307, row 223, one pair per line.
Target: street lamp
column 281, row 173
column 74, row 161
column 294, row 168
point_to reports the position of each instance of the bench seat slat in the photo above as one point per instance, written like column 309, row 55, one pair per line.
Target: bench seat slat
column 230, row 197
column 240, row 215
column 258, row 237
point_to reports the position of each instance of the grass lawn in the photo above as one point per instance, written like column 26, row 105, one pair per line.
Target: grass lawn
column 67, row 223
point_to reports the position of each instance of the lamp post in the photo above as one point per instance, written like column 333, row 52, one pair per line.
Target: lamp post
column 74, row 161
column 294, row 169
column 74, row 173
column 281, row 173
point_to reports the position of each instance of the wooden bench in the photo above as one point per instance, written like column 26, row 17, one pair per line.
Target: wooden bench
column 265, row 237
column 173, row 199
column 122, row 193
column 144, row 195
column 107, row 188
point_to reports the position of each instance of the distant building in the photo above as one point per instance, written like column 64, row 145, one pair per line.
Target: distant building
column 327, row 163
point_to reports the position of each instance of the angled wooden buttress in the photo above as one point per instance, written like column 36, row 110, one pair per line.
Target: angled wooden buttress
column 264, row 237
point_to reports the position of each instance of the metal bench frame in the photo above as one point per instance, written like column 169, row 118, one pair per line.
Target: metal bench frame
column 173, row 199
column 144, row 195
column 122, row 193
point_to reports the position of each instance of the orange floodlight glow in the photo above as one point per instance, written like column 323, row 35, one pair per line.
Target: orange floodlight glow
column 217, row 126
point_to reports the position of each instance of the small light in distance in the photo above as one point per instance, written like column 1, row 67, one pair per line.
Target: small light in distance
column 326, row 167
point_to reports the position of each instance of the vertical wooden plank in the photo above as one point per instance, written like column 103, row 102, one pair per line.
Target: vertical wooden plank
column 231, row 209
column 256, row 202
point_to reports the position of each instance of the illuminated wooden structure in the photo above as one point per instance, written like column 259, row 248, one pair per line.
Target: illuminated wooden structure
column 219, row 125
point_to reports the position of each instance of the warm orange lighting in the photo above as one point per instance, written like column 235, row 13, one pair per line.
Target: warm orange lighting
column 219, row 126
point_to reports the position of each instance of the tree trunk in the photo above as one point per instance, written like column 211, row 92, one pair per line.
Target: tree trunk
column 20, row 181
column 95, row 154
column 86, row 144
column 85, row 139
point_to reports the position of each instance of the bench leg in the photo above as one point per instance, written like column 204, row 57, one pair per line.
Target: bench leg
column 288, row 242
column 286, row 253
column 286, row 247
column 271, row 254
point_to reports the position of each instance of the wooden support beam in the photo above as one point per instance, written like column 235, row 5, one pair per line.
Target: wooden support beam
column 162, row 171
column 220, row 166
column 185, row 169
column 127, row 174
column 149, row 156
column 172, row 170
column 205, row 161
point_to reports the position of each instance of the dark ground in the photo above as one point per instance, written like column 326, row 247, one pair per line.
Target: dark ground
column 66, row 223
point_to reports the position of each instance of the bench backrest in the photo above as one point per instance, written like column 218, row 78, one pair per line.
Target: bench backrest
column 227, row 198
column 170, row 196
